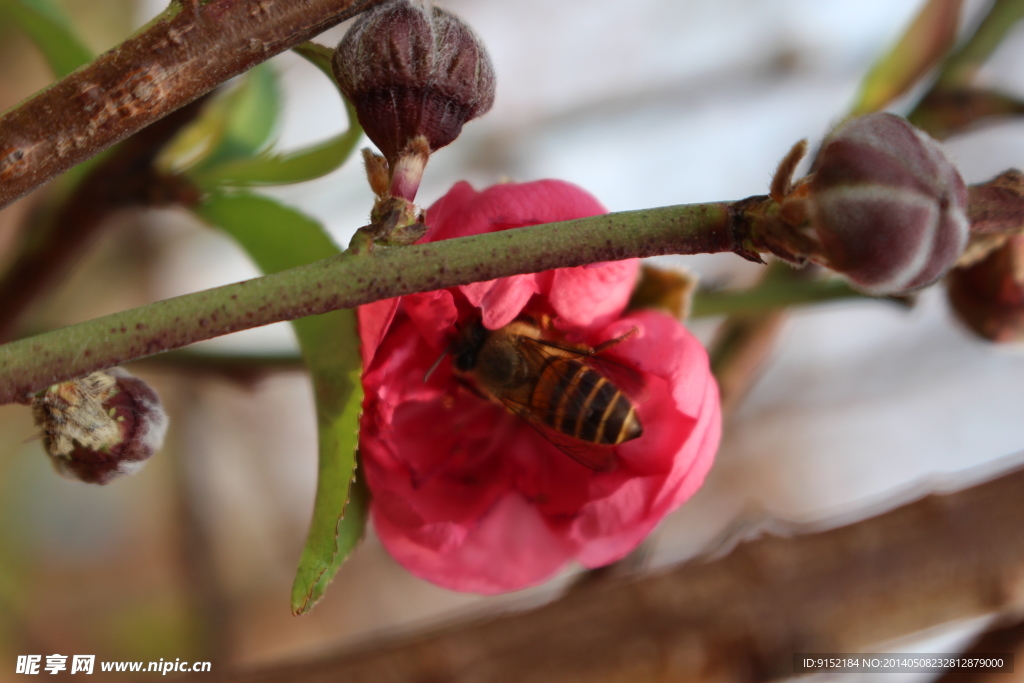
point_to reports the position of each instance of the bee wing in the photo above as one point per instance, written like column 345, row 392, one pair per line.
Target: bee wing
column 599, row 458
column 624, row 377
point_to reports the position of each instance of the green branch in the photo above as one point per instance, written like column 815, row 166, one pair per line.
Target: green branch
column 770, row 295
column 348, row 280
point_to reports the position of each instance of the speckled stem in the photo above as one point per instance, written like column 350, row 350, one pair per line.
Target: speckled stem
column 190, row 49
column 345, row 281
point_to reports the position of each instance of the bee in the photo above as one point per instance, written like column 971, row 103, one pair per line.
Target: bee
column 557, row 387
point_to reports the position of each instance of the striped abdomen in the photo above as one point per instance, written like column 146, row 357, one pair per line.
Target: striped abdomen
column 576, row 400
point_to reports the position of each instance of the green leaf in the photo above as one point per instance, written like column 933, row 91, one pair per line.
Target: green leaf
column 294, row 167
column 319, row 56
column 281, row 169
column 955, row 101
column 922, row 46
column 277, row 237
column 962, row 65
column 255, row 108
column 51, row 31
column 235, row 126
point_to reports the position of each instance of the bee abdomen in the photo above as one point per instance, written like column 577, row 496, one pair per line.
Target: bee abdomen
column 586, row 406
column 619, row 422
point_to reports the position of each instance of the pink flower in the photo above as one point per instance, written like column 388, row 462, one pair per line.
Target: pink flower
column 472, row 497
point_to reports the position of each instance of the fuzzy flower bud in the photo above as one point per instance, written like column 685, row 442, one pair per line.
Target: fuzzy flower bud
column 411, row 69
column 888, row 205
column 101, row 426
column 988, row 296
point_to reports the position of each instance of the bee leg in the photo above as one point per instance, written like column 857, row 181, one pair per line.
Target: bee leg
column 436, row 363
column 604, row 346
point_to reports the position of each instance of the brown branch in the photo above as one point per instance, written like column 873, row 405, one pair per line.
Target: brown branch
column 739, row 353
column 939, row 559
column 744, row 342
column 204, row 591
column 1004, row 638
column 194, row 47
column 125, row 179
column 997, row 206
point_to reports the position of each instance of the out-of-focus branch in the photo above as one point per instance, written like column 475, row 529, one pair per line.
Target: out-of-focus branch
column 245, row 369
column 125, row 179
column 963, row 63
column 1005, row 637
column 997, row 205
column 209, row 602
column 739, row 354
column 190, row 49
column 941, row 558
column 954, row 102
column 769, row 295
column 744, row 341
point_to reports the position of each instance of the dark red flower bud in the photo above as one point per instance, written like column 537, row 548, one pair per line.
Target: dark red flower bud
column 412, row 70
column 988, row 296
column 888, row 206
column 101, row 426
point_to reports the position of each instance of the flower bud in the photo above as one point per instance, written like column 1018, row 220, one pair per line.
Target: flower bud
column 410, row 70
column 101, row 426
column 988, row 296
column 888, row 206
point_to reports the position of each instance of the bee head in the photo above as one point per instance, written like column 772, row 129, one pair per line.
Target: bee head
column 466, row 347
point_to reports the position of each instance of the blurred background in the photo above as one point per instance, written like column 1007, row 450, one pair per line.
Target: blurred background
column 862, row 404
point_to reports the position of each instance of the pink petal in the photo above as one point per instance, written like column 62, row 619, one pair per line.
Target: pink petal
column 445, row 215
column 547, row 476
column 593, row 296
column 398, row 372
column 464, row 212
column 501, row 301
column 607, row 530
column 509, row 548
column 696, row 457
column 666, row 349
column 434, row 315
column 443, row 458
column 374, row 320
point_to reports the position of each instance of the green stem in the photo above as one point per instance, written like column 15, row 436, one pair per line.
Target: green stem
column 766, row 296
column 770, row 295
column 345, row 281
